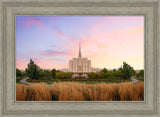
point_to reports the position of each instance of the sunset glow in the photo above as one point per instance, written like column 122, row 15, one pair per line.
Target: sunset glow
column 51, row 41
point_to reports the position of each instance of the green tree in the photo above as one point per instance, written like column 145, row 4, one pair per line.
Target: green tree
column 103, row 73
column 41, row 73
column 23, row 73
column 18, row 72
column 92, row 75
column 110, row 73
column 44, row 73
column 133, row 72
column 33, row 70
column 126, row 70
column 59, row 75
column 57, row 70
column 104, row 70
column 67, row 75
column 114, row 70
column 53, row 73
column 118, row 73
column 141, row 73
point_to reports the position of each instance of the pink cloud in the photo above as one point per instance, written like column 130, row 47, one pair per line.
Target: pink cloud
column 50, row 63
column 44, row 63
column 21, row 64
column 59, row 33
column 33, row 21
column 105, row 47
column 62, row 36
column 56, row 53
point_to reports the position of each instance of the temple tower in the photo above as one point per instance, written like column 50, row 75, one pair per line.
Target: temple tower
column 80, row 66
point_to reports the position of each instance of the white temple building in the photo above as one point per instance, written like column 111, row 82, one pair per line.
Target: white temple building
column 80, row 66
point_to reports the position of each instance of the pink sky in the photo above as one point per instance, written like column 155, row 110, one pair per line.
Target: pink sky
column 107, row 41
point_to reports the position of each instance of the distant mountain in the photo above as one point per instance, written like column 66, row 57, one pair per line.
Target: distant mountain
column 93, row 69
column 64, row 70
column 99, row 69
column 96, row 69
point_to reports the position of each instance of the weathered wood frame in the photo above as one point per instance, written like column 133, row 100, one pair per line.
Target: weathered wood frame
column 9, row 9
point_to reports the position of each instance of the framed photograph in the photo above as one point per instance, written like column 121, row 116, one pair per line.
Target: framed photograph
column 79, row 58
column 48, row 70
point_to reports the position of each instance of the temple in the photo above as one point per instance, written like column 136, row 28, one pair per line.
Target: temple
column 80, row 66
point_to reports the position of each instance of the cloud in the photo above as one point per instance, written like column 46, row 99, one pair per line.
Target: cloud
column 56, row 53
column 34, row 21
column 103, row 47
column 61, row 35
column 58, row 32
column 50, row 63
column 106, row 42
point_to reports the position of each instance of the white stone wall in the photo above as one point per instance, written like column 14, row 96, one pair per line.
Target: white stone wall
column 89, row 62
column 70, row 65
column 75, row 67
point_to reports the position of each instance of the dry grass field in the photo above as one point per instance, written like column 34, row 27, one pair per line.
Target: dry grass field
column 70, row 91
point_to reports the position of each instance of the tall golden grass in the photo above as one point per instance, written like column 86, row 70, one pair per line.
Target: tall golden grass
column 72, row 91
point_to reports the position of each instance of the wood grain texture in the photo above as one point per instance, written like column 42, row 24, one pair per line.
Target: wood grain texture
column 9, row 9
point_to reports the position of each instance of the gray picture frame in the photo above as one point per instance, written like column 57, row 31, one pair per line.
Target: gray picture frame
column 9, row 9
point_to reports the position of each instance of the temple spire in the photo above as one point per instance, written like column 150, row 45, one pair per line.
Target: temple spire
column 79, row 55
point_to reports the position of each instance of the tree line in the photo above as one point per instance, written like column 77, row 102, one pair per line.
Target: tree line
column 124, row 72
column 33, row 71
